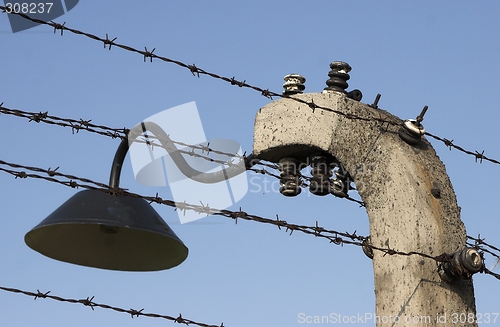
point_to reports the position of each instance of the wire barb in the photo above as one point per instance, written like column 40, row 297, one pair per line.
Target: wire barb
column 52, row 172
column 41, row 295
column 180, row 320
column 39, row 116
column 267, row 94
column 448, row 143
column 135, row 312
column 148, row 54
column 480, row 156
column 233, row 81
column 109, row 42
column 58, row 27
column 88, row 302
column 194, row 70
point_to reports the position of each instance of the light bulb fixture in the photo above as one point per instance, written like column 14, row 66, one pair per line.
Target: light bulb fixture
column 116, row 232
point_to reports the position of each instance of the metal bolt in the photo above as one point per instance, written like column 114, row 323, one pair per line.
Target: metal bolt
column 374, row 105
column 294, row 83
column 420, row 117
column 339, row 75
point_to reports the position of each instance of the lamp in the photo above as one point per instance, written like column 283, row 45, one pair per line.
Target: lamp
column 106, row 231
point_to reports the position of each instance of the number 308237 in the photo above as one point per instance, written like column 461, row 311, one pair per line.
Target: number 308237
column 28, row 8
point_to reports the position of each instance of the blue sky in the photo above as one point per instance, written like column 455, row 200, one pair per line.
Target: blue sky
column 441, row 54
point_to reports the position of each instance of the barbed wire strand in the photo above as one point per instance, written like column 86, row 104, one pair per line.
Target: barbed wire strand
column 201, row 209
column 197, row 71
column 89, row 302
column 336, row 237
column 478, row 242
column 121, row 133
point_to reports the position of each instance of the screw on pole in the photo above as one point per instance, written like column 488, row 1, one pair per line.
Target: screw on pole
column 374, row 105
column 420, row 117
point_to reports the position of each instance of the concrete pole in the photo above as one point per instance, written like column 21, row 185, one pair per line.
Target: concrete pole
column 409, row 199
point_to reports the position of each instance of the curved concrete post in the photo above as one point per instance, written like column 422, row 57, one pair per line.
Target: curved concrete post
column 396, row 181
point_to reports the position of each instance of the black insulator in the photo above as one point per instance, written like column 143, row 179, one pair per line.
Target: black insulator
column 289, row 173
column 338, row 76
column 321, row 173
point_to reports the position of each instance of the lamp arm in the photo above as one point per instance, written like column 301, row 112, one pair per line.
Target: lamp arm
column 116, row 166
column 181, row 163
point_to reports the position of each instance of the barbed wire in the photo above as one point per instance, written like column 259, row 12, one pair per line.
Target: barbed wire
column 333, row 236
column 478, row 244
column 478, row 155
column 197, row 71
column 75, row 125
column 113, row 132
column 89, row 302
column 183, row 206
column 121, row 133
column 80, row 124
column 336, row 237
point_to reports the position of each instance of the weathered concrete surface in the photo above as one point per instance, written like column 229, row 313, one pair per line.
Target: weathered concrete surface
column 395, row 181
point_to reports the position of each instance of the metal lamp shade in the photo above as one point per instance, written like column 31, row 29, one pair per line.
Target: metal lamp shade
column 99, row 230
